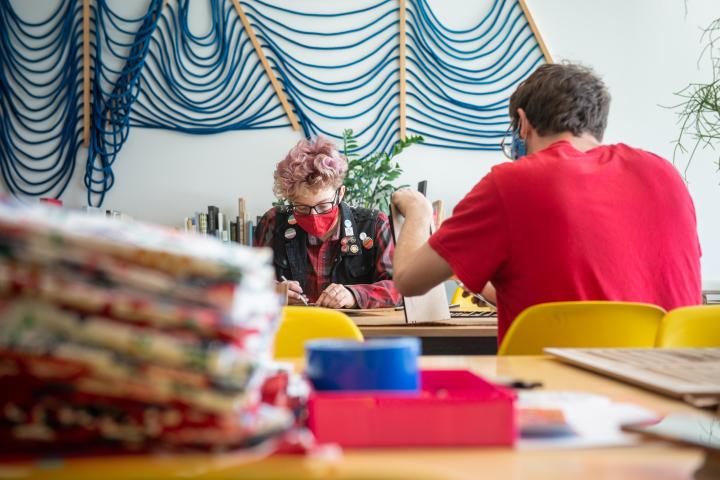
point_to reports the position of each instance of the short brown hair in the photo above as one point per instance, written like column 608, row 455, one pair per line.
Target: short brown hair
column 563, row 98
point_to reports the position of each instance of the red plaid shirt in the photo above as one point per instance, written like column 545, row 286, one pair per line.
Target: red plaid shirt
column 321, row 256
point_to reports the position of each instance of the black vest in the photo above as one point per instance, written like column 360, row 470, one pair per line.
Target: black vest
column 356, row 265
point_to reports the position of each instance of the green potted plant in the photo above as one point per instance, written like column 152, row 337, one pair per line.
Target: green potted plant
column 699, row 111
column 369, row 180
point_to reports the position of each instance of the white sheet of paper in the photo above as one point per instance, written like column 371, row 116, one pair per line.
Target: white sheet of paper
column 595, row 418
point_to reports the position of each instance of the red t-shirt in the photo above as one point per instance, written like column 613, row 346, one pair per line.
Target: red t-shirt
column 613, row 223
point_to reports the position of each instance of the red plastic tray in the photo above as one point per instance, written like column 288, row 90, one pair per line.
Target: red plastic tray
column 454, row 407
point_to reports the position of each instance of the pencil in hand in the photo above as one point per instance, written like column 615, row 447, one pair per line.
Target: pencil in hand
column 302, row 296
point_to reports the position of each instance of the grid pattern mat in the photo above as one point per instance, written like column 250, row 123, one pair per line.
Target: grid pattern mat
column 678, row 371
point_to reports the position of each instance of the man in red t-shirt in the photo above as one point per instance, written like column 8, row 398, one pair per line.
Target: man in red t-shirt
column 571, row 220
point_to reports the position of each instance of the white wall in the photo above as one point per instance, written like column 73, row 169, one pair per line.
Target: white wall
column 644, row 49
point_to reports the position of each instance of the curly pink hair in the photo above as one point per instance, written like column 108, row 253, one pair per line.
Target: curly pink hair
column 312, row 163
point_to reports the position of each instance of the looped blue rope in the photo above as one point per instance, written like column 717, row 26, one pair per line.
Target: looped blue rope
column 223, row 88
column 339, row 69
column 115, row 92
column 40, row 110
column 458, row 80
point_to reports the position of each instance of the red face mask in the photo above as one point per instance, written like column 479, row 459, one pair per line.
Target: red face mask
column 318, row 225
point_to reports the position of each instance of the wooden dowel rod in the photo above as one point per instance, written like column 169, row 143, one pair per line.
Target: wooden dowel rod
column 536, row 32
column 268, row 71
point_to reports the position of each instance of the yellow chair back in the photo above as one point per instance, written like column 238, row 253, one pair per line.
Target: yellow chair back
column 301, row 324
column 691, row 327
column 582, row 325
column 465, row 303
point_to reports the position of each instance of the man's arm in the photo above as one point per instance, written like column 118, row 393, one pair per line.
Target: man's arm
column 417, row 267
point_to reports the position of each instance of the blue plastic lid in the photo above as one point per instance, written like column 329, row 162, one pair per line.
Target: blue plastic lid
column 389, row 364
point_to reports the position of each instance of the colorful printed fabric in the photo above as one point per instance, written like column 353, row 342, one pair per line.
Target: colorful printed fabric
column 117, row 334
column 48, row 402
column 105, row 375
column 75, row 292
column 38, row 326
column 55, row 231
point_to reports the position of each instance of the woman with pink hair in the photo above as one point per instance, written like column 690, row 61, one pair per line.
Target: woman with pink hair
column 334, row 255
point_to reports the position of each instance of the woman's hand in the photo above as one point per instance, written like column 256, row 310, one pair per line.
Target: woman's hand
column 336, row 296
column 295, row 292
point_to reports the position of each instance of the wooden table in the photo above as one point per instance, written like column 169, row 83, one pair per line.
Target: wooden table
column 652, row 460
column 464, row 337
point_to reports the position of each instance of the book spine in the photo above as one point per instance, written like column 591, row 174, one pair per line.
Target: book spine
column 223, row 233
column 242, row 219
column 212, row 220
column 249, row 234
column 233, row 231
column 203, row 224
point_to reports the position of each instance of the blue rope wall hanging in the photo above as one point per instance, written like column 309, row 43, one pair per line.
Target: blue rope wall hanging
column 40, row 99
column 339, row 68
column 212, row 81
column 120, row 50
column 460, row 81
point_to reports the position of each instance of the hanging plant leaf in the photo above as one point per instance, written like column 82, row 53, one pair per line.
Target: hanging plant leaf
column 699, row 109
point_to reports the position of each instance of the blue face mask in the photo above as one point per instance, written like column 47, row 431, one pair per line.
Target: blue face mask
column 515, row 148
column 518, row 147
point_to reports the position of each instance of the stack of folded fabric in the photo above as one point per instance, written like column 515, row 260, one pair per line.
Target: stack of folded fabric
column 116, row 334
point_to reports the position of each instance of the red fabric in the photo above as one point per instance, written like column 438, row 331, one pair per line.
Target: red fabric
column 50, row 392
column 614, row 223
column 318, row 224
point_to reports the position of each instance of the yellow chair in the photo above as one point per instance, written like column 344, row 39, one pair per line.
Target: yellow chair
column 691, row 327
column 465, row 303
column 300, row 324
column 582, row 325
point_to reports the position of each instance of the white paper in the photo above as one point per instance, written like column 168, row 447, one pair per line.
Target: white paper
column 596, row 420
